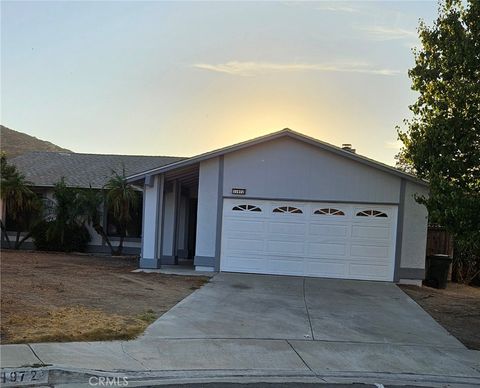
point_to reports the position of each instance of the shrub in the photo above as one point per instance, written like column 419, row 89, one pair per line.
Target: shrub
column 466, row 261
column 71, row 238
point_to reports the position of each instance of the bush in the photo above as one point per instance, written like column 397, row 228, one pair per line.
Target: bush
column 466, row 261
column 47, row 236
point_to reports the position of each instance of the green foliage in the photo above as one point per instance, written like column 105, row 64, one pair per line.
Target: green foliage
column 442, row 141
column 66, row 229
column 467, row 260
column 122, row 200
column 91, row 202
column 7, row 169
column 148, row 316
column 49, row 237
column 21, row 203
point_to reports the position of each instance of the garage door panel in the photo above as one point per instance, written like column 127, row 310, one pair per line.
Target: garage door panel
column 284, row 237
column 326, row 244
column 242, row 245
column 375, row 232
column 281, row 265
column 329, row 249
column 368, row 271
column 246, row 263
column 242, row 236
column 287, row 228
column 235, row 225
column 286, row 247
column 369, row 251
column 328, row 230
column 326, row 268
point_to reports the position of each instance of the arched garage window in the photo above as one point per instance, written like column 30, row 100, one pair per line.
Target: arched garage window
column 329, row 212
column 247, row 208
column 372, row 213
column 287, row 209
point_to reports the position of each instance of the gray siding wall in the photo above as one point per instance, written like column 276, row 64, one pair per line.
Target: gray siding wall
column 205, row 249
column 290, row 169
column 414, row 234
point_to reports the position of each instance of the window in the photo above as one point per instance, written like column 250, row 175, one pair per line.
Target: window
column 247, row 208
column 329, row 212
column 372, row 213
column 287, row 209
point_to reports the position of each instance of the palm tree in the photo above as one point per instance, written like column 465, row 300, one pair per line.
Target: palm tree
column 21, row 202
column 91, row 201
column 122, row 201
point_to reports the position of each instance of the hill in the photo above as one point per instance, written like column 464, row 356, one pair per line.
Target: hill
column 15, row 143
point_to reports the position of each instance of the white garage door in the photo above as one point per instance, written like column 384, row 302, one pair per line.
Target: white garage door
column 337, row 240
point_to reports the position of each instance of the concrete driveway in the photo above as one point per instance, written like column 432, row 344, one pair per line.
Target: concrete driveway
column 273, row 328
column 246, row 306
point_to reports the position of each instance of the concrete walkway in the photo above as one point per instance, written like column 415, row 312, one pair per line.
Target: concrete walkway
column 269, row 328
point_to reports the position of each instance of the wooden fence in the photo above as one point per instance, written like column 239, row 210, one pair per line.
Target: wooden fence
column 439, row 241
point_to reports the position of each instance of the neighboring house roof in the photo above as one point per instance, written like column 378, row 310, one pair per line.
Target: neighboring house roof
column 276, row 135
column 44, row 169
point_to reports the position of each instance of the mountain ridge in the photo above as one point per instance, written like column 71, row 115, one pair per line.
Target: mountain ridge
column 15, row 143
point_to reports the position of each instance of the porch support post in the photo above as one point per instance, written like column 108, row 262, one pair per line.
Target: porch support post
column 153, row 197
column 169, row 235
column 178, row 194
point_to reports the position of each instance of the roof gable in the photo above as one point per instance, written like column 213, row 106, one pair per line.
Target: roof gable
column 276, row 135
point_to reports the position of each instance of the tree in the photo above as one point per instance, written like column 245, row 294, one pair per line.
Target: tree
column 122, row 200
column 442, row 141
column 22, row 204
column 92, row 203
column 6, row 168
column 65, row 227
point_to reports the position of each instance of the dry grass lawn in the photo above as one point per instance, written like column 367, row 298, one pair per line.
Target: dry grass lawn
column 61, row 297
column 457, row 309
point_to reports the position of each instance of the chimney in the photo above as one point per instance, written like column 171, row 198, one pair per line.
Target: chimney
column 348, row 147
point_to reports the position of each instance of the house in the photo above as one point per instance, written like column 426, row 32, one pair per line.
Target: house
column 284, row 204
column 46, row 168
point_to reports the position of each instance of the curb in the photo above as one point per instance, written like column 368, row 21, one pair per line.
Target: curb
column 69, row 377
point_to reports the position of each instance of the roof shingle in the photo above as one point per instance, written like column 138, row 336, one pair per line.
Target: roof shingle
column 83, row 170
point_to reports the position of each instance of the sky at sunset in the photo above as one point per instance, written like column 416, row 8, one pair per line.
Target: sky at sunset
column 181, row 78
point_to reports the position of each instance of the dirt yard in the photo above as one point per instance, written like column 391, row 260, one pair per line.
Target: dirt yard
column 61, row 297
column 456, row 308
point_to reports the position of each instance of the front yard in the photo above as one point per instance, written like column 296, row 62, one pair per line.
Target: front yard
column 62, row 297
column 456, row 308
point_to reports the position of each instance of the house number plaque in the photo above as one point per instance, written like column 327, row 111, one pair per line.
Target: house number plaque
column 239, row 191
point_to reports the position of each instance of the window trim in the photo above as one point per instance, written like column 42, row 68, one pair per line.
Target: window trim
column 287, row 210
column 247, row 208
column 371, row 213
column 329, row 211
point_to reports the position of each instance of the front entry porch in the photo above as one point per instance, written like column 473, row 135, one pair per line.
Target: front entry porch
column 170, row 219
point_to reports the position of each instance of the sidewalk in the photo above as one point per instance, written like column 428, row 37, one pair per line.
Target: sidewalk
column 200, row 360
